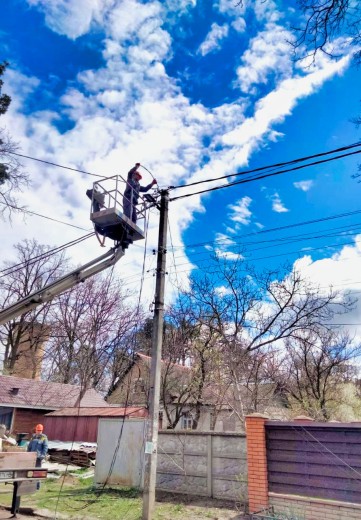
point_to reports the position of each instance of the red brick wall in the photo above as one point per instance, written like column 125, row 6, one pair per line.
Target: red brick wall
column 25, row 420
column 257, row 462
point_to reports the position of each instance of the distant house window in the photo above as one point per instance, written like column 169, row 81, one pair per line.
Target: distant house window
column 187, row 422
column 139, row 386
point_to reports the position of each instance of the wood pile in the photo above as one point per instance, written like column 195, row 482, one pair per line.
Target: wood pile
column 83, row 456
column 9, row 448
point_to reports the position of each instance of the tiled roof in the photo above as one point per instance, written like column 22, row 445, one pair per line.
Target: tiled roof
column 111, row 411
column 29, row 393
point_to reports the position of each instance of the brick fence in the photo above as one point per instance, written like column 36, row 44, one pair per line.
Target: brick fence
column 307, row 469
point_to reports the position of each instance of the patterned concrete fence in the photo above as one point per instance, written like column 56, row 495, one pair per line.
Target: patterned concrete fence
column 203, row 463
column 303, row 469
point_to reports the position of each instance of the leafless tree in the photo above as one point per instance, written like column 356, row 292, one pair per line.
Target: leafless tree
column 91, row 333
column 240, row 318
column 189, row 357
column 325, row 20
column 313, row 369
column 252, row 311
column 35, row 267
column 12, row 177
column 322, row 22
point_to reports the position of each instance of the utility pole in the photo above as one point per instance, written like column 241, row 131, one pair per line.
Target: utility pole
column 151, row 447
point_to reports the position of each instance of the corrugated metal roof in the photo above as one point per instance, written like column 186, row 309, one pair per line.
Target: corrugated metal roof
column 111, row 411
column 29, row 393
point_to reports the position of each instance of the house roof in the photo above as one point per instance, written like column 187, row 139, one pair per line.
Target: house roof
column 111, row 411
column 28, row 393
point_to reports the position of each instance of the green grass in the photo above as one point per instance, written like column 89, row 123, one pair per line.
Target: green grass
column 76, row 499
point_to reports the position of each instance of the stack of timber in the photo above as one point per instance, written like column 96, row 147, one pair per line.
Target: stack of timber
column 76, row 454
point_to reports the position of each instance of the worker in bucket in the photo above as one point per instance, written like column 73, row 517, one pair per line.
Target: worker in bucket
column 39, row 444
column 131, row 193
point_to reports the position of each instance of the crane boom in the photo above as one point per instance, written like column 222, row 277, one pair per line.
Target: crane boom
column 63, row 284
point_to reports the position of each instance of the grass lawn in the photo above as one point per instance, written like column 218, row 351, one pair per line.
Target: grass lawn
column 74, row 498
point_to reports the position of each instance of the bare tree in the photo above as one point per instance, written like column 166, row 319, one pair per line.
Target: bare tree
column 35, row 268
column 251, row 311
column 189, row 357
column 326, row 20
column 247, row 317
column 313, row 369
column 12, row 178
column 322, row 22
column 91, row 332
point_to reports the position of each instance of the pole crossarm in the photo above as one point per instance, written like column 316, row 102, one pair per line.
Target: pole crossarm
column 68, row 281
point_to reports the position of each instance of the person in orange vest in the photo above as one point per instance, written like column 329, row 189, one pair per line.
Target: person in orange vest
column 39, row 444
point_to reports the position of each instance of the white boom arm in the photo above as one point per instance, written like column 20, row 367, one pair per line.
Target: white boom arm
column 63, row 284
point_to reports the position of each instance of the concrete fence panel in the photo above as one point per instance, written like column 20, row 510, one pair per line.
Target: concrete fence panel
column 203, row 463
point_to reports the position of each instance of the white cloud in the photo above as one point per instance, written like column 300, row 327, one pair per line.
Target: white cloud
column 267, row 55
column 303, row 185
column 213, row 38
column 240, row 211
column 222, row 290
column 72, row 19
column 278, row 103
column 341, row 271
column 239, row 25
column 277, row 204
column 131, row 110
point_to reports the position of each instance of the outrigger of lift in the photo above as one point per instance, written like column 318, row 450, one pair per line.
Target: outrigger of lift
column 108, row 212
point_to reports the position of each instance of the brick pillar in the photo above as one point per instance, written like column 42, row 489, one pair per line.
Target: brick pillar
column 257, row 462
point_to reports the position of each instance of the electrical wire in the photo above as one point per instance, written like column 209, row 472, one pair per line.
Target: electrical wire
column 174, row 262
column 276, row 165
column 271, row 230
column 279, row 242
column 256, row 233
column 264, row 176
column 146, row 169
column 24, row 210
column 18, row 267
column 57, row 165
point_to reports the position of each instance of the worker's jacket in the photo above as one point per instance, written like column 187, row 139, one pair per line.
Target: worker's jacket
column 131, row 193
column 39, row 444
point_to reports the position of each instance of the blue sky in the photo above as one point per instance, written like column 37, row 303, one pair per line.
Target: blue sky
column 193, row 90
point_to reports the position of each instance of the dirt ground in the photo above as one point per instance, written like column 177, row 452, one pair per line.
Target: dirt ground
column 28, row 515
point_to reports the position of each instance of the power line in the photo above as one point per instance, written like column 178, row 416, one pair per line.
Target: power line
column 42, row 216
column 286, row 240
column 57, row 165
column 276, row 165
column 271, row 230
column 259, row 177
column 275, row 256
column 281, row 242
column 18, row 267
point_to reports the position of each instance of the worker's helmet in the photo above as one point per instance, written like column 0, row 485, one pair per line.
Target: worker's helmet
column 39, row 428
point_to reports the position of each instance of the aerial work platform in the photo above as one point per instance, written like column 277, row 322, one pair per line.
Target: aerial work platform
column 111, row 213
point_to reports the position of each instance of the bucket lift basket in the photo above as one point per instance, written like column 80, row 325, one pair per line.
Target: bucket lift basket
column 111, row 213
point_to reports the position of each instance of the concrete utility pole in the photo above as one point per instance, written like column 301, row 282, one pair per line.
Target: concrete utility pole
column 151, row 448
